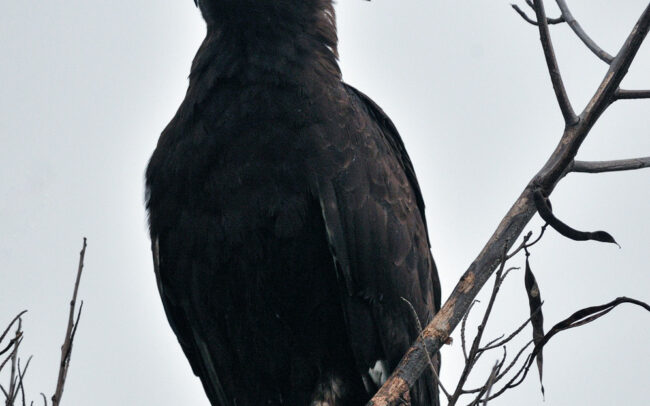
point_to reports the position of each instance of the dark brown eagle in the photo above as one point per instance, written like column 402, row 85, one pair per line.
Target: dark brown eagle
column 287, row 225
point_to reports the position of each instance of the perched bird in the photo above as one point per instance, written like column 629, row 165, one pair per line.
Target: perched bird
column 287, row 225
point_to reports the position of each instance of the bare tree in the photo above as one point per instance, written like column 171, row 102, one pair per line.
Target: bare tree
column 14, row 391
column 533, row 199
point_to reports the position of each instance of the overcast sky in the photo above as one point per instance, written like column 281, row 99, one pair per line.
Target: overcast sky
column 87, row 86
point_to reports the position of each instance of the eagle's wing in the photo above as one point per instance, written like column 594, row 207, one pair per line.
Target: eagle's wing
column 374, row 218
column 179, row 316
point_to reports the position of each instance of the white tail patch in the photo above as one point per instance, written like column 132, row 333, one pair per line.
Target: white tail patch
column 329, row 392
column 379, row 373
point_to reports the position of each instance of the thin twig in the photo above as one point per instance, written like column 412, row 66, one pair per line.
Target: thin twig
column 492, row 345
column 66, row 349
column 525, row 245
column 9, row 346
column 6, row 330
column 579, row 318
column 521, row 245
column 575, row 26
column 429, row 360
column 523, row 15
column 490, row 382
column 513, row 362
column 611, row 166
column 516, row 380
column 462, row 329
column 17, row 343
column 474, row 353
column 13, row 377
column 505, row 372
column 21, row 376
column 487, row 388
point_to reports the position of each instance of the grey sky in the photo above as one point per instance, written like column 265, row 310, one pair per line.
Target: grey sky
column 87, row 86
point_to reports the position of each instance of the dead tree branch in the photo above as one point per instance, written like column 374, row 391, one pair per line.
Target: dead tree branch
column 622, row 94
column 611, row 166
column 17, row 373
column 66, row 348
column 12, row 390
column 550, row 21
column 569, row 115
column 475, row 351
column 579, row 318
column 577, row 128
column 14, row 340
column 575, row 26
column 567, row 17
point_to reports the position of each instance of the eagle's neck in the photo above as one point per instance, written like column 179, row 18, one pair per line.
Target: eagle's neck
column 268, row 42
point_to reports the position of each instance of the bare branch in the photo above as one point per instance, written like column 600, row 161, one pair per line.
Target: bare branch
column 579, row 318
column 493, row 374
column 17, row 343
column 21, row 376
column 617, row 71
column 569, row 115
column 449, row 316
column 518, row 378
column 492, row 345
column 462, row 330
column 611, row 166
column 429, row 360
column 15, row 368
column 575, row 26
column 474, row 352
column 4, row 333
column 622, row 94
column 9, row 346
column 550, row 21
column 66, row 348
column 512, row 363
column 525, row 245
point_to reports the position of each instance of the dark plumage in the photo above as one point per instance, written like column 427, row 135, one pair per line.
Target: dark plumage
column 286, row 220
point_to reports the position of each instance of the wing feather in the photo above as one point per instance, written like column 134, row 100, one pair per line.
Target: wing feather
column 194, row 348
column 374, row 216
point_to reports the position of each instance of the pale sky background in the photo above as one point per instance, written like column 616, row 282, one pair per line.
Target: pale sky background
column 87, row 86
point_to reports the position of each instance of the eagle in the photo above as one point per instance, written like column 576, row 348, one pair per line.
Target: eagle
column 288, row 231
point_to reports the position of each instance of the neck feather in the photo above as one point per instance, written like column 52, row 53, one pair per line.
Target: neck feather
column 280, row 41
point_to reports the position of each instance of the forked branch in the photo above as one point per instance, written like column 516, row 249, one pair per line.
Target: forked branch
column 567, row 17
column 438, row 331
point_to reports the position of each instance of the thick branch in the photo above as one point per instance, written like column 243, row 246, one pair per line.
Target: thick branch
column 575, row 26
column 611, row 166
column 437, row 332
